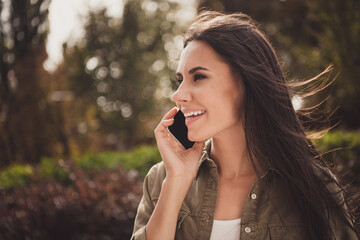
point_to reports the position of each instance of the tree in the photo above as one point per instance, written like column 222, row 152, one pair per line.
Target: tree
column 26, row 123
column 338, row 40
column 115, row 72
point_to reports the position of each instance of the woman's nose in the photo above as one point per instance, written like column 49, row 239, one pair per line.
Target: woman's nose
column 181, row 95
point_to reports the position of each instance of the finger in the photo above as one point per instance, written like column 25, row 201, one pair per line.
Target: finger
column 171, row 113
column 166, row 135
column 174, row 142
column 164, row 124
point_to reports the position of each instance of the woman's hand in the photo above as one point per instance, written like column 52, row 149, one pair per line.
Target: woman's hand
column 179, row 162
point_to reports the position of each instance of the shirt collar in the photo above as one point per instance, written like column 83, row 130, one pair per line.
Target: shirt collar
column 205, row 152
column 205, row 155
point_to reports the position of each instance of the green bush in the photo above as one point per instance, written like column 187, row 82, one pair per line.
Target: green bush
column 98, row 161
column 49, row 168
column 15, row 175
column 140, row 159
column 345, row 145
column 341, row 150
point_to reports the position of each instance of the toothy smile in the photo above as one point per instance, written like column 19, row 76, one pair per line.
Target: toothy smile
column 193, row 114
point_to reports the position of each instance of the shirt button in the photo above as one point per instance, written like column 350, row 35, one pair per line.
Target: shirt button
column 253, row 196
column 247, row 229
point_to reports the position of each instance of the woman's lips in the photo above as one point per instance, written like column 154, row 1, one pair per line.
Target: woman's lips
column 191, row 119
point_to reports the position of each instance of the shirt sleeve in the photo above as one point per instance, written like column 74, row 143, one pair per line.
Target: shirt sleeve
column 144, row 212
column 342, row 229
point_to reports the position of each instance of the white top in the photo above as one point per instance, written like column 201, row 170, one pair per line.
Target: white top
column 228, row 229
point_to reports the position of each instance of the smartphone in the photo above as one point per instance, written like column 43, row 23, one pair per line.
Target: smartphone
column 179, row 130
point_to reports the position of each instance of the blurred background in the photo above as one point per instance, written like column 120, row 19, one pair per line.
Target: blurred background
column 84, row 83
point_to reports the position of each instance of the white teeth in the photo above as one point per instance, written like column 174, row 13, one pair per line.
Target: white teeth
column 193, row 113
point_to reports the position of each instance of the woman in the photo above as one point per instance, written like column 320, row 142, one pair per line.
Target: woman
column 257, row 176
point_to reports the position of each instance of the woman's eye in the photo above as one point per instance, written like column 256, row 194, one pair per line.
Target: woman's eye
column 179, row 80
column 198, row 76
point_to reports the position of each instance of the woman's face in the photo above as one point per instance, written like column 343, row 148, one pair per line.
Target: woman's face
column 209, row 94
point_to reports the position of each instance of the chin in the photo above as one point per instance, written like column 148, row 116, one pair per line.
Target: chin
column 196, row 139
column 192, row 138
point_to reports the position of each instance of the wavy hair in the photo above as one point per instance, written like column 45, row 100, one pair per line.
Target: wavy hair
column 275, row 135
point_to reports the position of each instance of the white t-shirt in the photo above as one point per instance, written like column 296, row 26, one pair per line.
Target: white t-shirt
column 227, row 229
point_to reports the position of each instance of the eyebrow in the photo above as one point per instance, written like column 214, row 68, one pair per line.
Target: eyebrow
column 191, row 71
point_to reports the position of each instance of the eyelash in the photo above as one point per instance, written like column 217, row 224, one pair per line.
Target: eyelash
column 196, row 77
column 179, row 81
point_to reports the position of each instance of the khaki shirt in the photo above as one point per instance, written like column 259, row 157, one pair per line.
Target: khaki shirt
column 260, row 217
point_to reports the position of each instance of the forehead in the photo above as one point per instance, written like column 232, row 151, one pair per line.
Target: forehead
column 198, row 53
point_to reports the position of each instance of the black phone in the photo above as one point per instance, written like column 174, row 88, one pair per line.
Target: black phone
column 180, row 131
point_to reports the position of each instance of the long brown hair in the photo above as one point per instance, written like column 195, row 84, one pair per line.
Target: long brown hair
column 275, row 136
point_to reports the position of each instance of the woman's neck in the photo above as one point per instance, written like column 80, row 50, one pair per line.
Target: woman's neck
column 228, row 150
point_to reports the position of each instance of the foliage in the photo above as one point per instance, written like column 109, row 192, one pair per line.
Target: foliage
column 15, row 175
column 337, row 36
column 102, row 206
column 28, row 128
column 341, row 150
column 49, row 168
column 347, row 143
column 140, row 159
column 116, row 71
